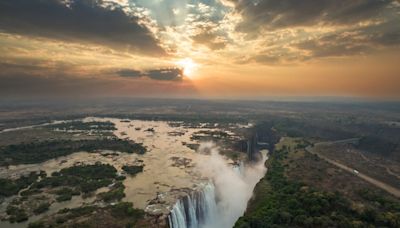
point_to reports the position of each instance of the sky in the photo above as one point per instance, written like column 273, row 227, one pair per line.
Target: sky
column 200, row 48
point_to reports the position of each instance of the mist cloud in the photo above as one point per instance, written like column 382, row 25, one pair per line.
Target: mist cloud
column 234, row 186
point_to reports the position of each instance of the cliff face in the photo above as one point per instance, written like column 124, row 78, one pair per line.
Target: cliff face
column 263, row 136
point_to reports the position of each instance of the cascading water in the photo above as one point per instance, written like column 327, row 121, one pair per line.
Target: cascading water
column 232, row 186
column 194, row 210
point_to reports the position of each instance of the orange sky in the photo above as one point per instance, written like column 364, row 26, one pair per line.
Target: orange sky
column 200, row 48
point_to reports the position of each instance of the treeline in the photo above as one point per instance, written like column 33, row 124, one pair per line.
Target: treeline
column 9, row 187
column 280, row 202
column 84, row 126
column 85, row 178
column 376, row 137
column 36, row 152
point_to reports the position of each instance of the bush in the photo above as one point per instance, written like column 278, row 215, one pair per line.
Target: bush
column 9, row 187
column 115, row 194
column 125, row 209
column 16, row 214
column 41, row 208
column 132, row 170
column 64, row 197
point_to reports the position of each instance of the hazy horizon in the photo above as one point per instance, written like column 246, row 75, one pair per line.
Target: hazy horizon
column 200, row 49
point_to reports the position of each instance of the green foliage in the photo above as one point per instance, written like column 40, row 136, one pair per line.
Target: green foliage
column 282, row 202
column 125, row 209
column 115, row 194
column 16, row 214
column 65, row 197
column 67, row 191
column 86, row 178
column 65, row 194
column 41, row 208
column 36, row 152
column 9, row 187
column 38, row 224
column 132, row 170
column 29, row 192
column 122, row 213
column 69, row 214
column 84, row 126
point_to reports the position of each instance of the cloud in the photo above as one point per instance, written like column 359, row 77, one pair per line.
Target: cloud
column 83, row 21
column 130, row 73
column 278, row 14
column 166, row 74
column 209, row 39
column 352, row 42
column 54, row 85
column 163, row 74
column 335, row 45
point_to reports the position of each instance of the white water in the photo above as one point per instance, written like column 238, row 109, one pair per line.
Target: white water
column 225, row 198
column 195, row 209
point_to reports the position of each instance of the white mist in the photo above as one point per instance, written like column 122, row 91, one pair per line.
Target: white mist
column 233, row 188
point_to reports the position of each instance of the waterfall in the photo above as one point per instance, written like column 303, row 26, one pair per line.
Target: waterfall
column 224, row 199
column 193, row 210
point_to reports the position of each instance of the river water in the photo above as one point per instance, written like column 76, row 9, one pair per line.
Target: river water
column 171, row 171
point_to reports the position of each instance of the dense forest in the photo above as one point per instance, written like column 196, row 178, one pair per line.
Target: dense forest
column 280, row 202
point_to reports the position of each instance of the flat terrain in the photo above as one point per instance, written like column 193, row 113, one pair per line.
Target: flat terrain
column 303, row 189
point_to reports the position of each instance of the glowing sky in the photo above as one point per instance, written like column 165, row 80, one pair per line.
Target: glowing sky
column 200, row 48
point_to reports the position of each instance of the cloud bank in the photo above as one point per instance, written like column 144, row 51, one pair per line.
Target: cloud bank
column 84, row 21
column 163, row 74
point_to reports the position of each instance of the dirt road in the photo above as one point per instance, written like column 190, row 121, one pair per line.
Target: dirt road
column 390, row 189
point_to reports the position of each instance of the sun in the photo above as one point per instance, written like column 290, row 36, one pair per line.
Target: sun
column 188, row 66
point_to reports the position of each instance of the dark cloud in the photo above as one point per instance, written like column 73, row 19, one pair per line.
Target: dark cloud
column 210, row 40
column 167, row 74
column 335, row 45
column 84, row 21
column 277, row 14
column 164, row 74
column 353, row 42
column 348, row 42
column 130, row 73
column 388, row 39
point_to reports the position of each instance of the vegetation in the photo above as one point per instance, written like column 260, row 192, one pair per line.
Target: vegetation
column 36, row 152
column 283, row 202
column 16, row 214
column 375, row 144
column 41, row 208
column 125, row 209
column 115, row 194
column 119, row 215
column 133, row 169
column 84, row 126
column 9, row 187
column 86, row 178
column 65, row 194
